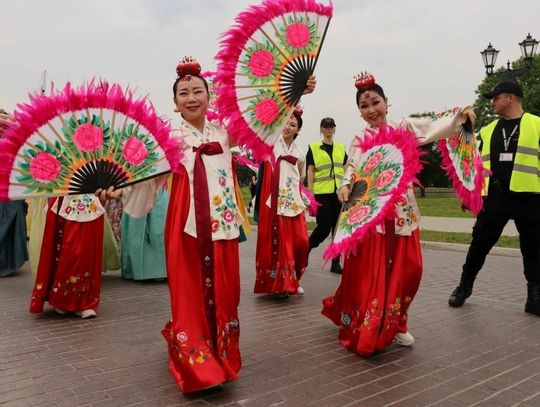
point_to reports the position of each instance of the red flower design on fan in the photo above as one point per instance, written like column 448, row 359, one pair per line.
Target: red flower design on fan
column 261, row 63
column 454, row 143
column 385, row 178
column 266, row 111
column 44, row 167
column 373, row 161
column 359, row 215
column 134, row 151
column 298, row 35
column 88, row 138
column 467, row 167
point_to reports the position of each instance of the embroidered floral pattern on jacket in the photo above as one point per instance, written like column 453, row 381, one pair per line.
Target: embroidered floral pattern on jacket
column 405, row 213
column 81, row 204
column 224, row 206
column 287, row 197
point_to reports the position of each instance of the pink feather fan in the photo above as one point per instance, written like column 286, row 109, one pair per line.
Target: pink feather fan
column 77, row 140
column 264, row 64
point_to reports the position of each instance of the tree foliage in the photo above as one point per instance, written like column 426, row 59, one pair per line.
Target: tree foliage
column 243, row 174
column 528, row 77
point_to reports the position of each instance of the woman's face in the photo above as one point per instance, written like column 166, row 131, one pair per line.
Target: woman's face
column 291, row 128
column 328, row 131
column 191, row 99
column 373, row 108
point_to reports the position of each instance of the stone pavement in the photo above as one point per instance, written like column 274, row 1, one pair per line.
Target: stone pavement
column 486, row 353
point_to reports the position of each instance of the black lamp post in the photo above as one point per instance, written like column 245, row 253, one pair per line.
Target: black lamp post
column 489, row 55
column 528, row 51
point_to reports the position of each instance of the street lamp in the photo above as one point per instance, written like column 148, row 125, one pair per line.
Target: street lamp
column 528, row 50
column 528, row 47
column 489, row 55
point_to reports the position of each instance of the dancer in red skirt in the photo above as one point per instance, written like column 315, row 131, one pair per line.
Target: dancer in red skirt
column 380, row 281
column 201, row 242
column 282, row 240
column 70, row 265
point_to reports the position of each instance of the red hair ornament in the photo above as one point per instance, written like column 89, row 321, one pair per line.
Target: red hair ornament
column 187, row 68
column 364, row 80
column 298, row 112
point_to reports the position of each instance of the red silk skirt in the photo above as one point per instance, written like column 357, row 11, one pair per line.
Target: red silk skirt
column 203, row 351
column 371, row 304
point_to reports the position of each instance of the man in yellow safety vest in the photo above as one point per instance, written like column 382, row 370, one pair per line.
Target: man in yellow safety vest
column 510, row 148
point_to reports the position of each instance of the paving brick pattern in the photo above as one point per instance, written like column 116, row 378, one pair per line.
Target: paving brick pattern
column 487, row 353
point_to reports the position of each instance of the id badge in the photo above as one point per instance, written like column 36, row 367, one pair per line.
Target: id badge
column 506, row 156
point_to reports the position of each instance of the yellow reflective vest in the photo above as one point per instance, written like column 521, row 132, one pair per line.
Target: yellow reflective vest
column 328, row 172
column 526, row 170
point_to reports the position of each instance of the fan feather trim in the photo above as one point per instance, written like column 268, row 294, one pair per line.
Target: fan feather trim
column 41, row 109
column 233, row 41
column 408, row 145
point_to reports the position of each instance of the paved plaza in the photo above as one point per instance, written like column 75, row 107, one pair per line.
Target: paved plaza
column 486, row 353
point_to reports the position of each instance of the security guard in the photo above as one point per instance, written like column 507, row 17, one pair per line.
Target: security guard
column 325, row 169
column 510, row 148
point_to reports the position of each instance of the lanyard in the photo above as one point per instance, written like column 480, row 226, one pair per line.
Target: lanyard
column 507, row 140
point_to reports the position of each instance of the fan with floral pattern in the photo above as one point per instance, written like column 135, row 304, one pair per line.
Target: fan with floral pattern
column 389, row 163
column 264, row 64
column 78, row 140
column 463, row 165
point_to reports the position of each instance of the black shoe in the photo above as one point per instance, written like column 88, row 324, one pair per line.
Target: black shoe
column 459, row 295
column 532, row 306
column 336, row 268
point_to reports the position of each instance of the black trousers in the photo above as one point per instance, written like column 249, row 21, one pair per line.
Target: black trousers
column 327, row 217
column 498, row 209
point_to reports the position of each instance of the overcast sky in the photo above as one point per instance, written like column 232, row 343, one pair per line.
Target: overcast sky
column 426, row 54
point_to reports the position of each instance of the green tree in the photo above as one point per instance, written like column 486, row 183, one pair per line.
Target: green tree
column 528, row 77
column 243, row 174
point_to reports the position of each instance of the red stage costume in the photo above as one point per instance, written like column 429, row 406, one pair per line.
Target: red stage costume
column 204, row 279
column 70, row 264
column 372, row 302
column 282, row 241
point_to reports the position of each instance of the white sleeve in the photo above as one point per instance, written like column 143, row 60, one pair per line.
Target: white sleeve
column 138, row 199
column 353, row 159
column 429, row 129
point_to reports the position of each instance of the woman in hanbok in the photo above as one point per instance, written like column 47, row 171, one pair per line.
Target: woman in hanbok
column 71, row 259
column 201, row 242
column 282, row 241
column 143, row 245
column 381, row 279
column 13, row 248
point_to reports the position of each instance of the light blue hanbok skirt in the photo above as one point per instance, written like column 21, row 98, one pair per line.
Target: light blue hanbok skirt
column 142, row 243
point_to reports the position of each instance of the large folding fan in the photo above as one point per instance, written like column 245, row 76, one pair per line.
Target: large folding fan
column 389, row 163
column 77, row 140
column 463, row 165
column 264, row 64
